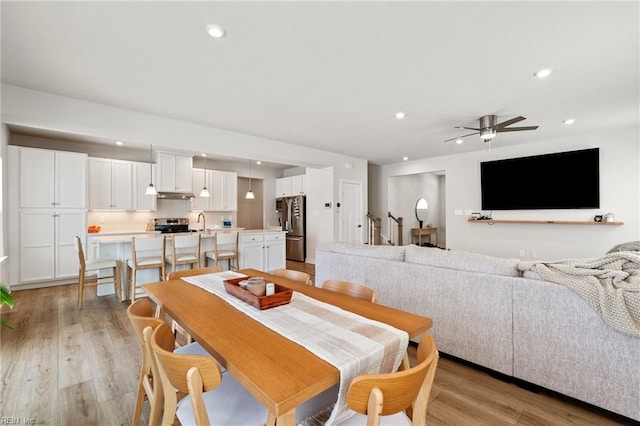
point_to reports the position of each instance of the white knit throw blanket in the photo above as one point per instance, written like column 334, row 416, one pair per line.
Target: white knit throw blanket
column 353, row 344
column 611, row 285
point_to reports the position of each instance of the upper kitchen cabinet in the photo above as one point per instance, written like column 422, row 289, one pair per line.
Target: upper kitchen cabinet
column 223, row 190
column 52, row 179
column 110, row 184
column 291, row 185
column 141, row 178
column 174, row 172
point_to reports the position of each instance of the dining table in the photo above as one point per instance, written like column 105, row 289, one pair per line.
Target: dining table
column 278, row 372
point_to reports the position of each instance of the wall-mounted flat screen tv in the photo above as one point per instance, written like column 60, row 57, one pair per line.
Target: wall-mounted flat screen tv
column 563, row 180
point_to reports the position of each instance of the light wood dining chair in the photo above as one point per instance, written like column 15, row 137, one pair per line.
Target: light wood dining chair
column 354, row 290
column 203, row 396
column 146, row 253
column 399, row 398
column 140, row 314
column 185, row 250
column 294, row 275
column 225, row 247
column 88, row 273
column 193, row 272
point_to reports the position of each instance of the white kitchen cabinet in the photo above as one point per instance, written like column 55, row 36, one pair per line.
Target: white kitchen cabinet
column 110, row 184
column 291, row 185
column 174, row 172
column 49, row 178
column 141, row 180
column 47, row 250
column 224, row 191
column 262, row 251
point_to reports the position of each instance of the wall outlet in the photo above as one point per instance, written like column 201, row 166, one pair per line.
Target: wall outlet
column 467, row 212
column 521, row 253
column 534, row 254
column 457, row 212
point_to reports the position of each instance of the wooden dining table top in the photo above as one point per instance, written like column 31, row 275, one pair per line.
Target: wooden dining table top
column 278, row 372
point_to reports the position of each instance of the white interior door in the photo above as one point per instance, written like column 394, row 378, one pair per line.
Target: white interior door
column 351, row 211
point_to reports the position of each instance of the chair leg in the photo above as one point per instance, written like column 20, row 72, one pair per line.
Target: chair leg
column 80, row 288
column 139, row 399
column 133, row 285
column 117, row 281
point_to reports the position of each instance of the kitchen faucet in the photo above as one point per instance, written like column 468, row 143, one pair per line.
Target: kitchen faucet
column 204, row 222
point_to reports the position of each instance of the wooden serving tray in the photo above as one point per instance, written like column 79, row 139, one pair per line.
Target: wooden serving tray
column 282, row 295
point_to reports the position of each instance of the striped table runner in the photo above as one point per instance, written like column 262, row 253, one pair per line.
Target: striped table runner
column 353, row 344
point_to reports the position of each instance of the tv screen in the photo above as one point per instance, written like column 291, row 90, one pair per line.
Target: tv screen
column 563, row 180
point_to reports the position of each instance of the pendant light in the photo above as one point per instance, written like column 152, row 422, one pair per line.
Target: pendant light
column 205, row 192
column 151, row 190
column 250, row 195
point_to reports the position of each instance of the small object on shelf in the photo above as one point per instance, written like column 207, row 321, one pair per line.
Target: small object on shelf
column 597, row 218
column 609, row 217
column 281, row 296
column 94, row 229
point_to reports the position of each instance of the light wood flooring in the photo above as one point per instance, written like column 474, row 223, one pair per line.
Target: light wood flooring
column 62, row 366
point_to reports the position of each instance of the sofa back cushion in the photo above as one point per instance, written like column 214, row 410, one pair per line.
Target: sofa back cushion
column 380, row 252
column 462, row 260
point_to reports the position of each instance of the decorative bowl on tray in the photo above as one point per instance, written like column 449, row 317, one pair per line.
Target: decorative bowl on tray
column 282, row 295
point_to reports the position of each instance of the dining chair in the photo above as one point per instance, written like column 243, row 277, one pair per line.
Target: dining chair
column 193, row 272
column 185, row 250
column 225, row 247
column 88, row 273
column 146, row 253
column 140, row 314
column 354, row 290
column 399, row 398
column 294, row 275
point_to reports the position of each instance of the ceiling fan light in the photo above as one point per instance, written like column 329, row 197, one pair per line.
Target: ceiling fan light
column 487, row 134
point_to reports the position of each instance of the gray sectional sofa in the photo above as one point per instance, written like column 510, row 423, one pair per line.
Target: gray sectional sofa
column 485, row 312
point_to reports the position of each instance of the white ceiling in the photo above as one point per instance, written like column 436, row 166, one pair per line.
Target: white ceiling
column 331, row 75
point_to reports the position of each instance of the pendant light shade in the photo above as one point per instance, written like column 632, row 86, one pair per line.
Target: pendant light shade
column 151, row 190
column 249, row 195
column 205, row 192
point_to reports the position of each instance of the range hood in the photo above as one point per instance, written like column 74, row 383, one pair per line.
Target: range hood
column 175, row 195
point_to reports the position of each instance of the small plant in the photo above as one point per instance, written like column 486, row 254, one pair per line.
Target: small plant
column 5, row 299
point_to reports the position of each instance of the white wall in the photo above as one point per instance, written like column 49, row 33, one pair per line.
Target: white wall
column 319, row 218
column 619, row 193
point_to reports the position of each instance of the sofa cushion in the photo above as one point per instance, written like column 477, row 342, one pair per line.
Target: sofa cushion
column 380, row 252
column 461, row 260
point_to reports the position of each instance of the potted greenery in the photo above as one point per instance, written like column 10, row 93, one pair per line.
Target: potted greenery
column 5, row 299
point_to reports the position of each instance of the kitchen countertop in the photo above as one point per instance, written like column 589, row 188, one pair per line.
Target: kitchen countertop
column 110, row 238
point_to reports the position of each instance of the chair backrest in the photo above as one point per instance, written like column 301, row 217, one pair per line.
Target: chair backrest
column 351, row 289
column 226, row 240
column 77, row 242
column 147, row 244
column 188, row 374
column 383, row 394
column 140, row 314
column 186, row 241
column 192, row 272
column 294, row 275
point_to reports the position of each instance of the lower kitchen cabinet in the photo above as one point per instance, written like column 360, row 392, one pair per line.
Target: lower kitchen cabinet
column 47, row 251
column 262, row 251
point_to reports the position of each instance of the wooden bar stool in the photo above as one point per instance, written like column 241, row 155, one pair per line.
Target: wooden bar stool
column 185, row 251
column 88, row 273
column 225, row 247
column 146, row 253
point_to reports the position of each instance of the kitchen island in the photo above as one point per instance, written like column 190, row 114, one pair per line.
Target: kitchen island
column 260, row 249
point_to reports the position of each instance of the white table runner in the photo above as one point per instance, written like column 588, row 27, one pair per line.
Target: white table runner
column 353, row 344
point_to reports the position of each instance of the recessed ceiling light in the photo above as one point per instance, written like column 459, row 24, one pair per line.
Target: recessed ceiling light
column 405, row 158
column 400, row 115
column 543, row 73
column 459, row 141
column 203, row 154
column 119, row 143
column 569, row 121
column 258, row 162
column 216, row 31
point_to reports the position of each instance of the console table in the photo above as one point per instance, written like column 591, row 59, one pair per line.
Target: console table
column 418, row 233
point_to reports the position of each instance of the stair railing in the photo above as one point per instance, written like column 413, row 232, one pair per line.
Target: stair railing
column 395, row 229
column 374, row 227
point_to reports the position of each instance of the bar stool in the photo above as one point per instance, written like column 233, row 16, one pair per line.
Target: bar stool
column 146, row 253
column 225, row 247
column 185, row 251
column 88, row 273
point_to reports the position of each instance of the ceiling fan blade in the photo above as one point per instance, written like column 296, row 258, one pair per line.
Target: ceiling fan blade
column 509, row 122
column 460, row 137
column 517, row 129
column 468, row 128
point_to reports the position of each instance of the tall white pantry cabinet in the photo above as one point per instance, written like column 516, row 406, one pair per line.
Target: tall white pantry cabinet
column 48, row 208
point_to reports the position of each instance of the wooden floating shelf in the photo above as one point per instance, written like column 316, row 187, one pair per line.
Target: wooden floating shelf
column 552, row 222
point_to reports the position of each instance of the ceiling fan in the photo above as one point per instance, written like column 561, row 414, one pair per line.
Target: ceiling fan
column 489, row 127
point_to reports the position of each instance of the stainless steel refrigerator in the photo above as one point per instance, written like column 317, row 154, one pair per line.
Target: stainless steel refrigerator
column 294, row 222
